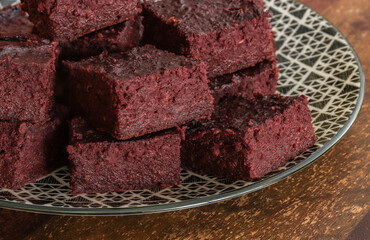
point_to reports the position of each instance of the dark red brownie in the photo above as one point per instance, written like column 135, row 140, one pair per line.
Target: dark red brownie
column 118, row 38
column 30, row 150
column 142, row 91
column 258, row 80
column 228, row 35
column 101, row 164
column 15, row 24
column 62, row 20
column 27, row 79
column 246, row 139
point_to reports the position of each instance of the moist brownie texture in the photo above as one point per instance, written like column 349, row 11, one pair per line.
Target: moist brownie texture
column 99, row 163
column 29, row 150
column 246, row 139
column 118, row 38
column 62, row 20
column 258, row 80
column 15, row 24
column 143, row 91
column 27, row 79
column 228, row 35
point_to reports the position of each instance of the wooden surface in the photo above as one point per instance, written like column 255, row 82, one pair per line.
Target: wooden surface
column 327, row 200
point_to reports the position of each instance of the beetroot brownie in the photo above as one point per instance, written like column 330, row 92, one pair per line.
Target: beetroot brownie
column 29, row 150
column 99, row 163
column 258, row 80
column 228, row 35
column 15, row 24
column 246, row 139
column 142, row 91
column 27, row 79
column 118, row 38
column 62, row 20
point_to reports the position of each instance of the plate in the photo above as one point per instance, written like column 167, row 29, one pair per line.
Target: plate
column 314, row 59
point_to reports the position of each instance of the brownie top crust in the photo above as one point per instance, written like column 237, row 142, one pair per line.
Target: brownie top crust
column 117, row 38
column 247, row 112
column 121, row 29
column 66, row 20
column 138, row 62
column 81, row 132
column 27, row 52
column 219, row 81
column 199, row 17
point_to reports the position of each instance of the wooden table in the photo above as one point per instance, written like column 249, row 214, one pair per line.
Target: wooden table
column 327, row 200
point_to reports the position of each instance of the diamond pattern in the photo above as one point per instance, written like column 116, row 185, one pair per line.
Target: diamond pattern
column 314, row 60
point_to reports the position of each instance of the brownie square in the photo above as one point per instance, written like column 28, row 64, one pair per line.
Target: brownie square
column 117, row 38
column 139, row 92
column 101, row 164
column 27, row 80
column 228, row 35
column 62, row 20
column 258, row 80
column 14, row 24
column 246, row 139
column 30, row 150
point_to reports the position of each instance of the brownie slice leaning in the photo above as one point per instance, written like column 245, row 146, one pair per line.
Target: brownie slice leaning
column 143, row 91
column 99, row 163
column 27, row 80
column 117, row 38
column 258, row 80
column 66, row 20
column 228, row 35
column 246, row 139
column 30, row 150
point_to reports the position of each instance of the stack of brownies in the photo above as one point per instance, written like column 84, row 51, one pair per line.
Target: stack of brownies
column 152, row 87
column 31, row 124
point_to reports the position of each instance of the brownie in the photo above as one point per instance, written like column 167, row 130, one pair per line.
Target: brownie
column 228, row 35
column 142, row 91
column 30, row 150
column 258, row 80
column 117, row 38
column 15, row 24
column 63, row 20
column 99, row 164
column 248, row 138
column 27, row 79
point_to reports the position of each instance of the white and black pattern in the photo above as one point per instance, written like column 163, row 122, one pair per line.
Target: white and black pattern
column 314, row 60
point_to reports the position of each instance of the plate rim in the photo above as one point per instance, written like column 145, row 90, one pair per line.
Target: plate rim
column 192, row 203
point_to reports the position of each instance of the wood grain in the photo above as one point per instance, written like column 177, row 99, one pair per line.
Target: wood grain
column 324, row 201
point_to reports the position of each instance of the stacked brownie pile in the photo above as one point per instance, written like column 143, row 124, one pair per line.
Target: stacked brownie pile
column 152, row 87
column 31, row 124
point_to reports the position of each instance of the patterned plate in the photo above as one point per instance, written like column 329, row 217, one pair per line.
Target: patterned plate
column 314, row 59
